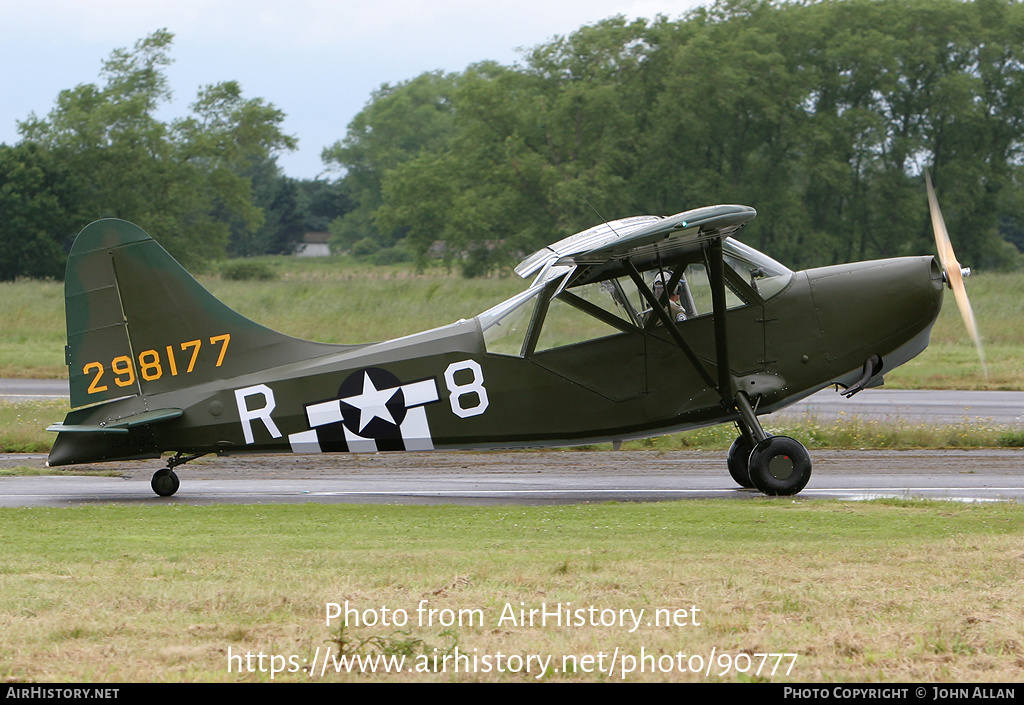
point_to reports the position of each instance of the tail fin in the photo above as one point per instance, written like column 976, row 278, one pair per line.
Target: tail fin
column 138, row 323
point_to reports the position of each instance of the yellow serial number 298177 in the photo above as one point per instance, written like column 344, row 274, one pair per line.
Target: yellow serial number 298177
column 151, row 364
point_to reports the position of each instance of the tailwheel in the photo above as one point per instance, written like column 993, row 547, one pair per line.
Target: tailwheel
column 779, row 465
column 165, row 482
column 738, row 461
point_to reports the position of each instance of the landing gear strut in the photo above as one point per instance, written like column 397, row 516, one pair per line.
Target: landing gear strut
column 775, row 465
column 165, row 481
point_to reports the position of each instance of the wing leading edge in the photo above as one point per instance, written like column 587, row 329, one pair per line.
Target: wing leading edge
column 636, row 236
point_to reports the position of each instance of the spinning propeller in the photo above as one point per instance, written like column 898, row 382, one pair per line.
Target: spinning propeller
column 954, row 274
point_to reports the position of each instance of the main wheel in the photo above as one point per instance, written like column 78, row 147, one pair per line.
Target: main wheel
column 165, row 482
column 738, row 461
column 779, row 465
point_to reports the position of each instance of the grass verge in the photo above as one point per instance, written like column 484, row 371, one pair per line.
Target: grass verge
column 893, row 591
column 23, row 424
column 27, row 471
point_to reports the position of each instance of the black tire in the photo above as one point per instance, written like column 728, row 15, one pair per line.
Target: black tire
column 165, row 482
column 779, row 465
column 738, row 461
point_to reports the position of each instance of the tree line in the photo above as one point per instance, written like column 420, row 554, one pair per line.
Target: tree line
column 823, row 115
column 206, row 185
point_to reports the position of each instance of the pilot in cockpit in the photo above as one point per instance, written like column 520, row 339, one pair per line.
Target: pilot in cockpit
column 674, row 308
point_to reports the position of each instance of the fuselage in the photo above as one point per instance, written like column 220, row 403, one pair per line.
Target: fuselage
column 452, row 388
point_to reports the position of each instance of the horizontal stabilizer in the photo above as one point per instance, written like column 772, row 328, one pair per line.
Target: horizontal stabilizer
column 121, row 425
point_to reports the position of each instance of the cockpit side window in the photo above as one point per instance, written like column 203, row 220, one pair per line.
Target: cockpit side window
column 699, row 287
column 586, row 313
column 505, row 326
column 572, row 316
column 547, row 316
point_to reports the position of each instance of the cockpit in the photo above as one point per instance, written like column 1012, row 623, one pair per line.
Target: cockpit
column 577, row 301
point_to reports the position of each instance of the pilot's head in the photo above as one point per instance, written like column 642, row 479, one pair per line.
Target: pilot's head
column 658, row 285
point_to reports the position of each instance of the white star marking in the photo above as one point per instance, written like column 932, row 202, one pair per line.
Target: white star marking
column 371, row 403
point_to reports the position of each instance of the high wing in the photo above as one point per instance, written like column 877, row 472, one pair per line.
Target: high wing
column 600, row 252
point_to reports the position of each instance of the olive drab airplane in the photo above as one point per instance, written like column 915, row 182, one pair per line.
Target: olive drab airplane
column 633, row 328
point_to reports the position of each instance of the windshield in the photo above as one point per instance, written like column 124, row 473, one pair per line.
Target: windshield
column 766, row 276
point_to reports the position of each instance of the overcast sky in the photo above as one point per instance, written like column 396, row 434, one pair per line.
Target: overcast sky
column 317, row 60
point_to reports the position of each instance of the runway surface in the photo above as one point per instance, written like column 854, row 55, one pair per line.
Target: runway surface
column 15, row 389
column 527, row 477
column 914, row 406
column 554, row 477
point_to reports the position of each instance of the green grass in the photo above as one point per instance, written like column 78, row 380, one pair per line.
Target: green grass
column 32, row 334
column 363, row 305
column 23, row 425
column 892, row 591
column 338, row 301
column 29, row 471
column 951, row 360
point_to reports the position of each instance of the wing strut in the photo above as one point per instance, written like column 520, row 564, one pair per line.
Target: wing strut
column 738, row 401
column 715, row 260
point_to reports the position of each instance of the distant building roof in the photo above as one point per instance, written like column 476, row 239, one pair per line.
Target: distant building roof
column 315, row 243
